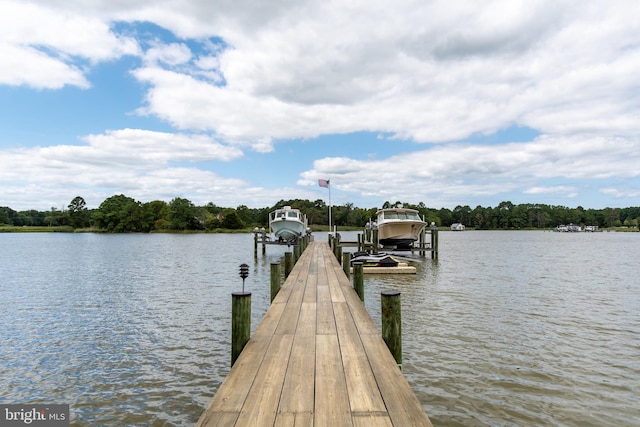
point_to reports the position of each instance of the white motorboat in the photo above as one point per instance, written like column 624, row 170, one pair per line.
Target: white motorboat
column 288, row 224
column 399, row 227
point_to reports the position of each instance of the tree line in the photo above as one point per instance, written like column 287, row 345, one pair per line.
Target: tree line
column 120, row 213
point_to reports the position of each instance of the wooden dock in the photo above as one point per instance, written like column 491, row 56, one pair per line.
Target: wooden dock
column 316, row 359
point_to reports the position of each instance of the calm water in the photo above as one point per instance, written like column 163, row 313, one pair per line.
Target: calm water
column 506, row 329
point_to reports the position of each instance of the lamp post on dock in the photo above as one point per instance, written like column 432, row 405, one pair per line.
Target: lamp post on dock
column 240, row 317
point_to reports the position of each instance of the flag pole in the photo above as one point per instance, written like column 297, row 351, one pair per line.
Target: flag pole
column 330, row 229
column 326, row 183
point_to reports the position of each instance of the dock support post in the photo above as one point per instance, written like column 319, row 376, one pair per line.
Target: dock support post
column 275, row 280
column 296, row 253
column 255, row 244
column 240, row 323
column 346, row 264
column 288, row 263
column 374, row 240
column 392, row 324
column 358, row 279
column 434, row 242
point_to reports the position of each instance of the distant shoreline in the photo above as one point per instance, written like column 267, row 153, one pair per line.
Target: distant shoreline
column 68, row 229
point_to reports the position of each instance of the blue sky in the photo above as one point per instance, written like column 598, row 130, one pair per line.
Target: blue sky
column 445, row 103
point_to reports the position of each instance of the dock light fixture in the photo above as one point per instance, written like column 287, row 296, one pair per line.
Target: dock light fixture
column 244, row 273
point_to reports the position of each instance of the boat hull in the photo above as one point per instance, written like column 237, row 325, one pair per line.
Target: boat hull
column 287, row 224
column 285, row 229
column 400, row 234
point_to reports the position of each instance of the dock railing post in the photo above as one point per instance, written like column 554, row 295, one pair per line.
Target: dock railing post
column 288, row 263
column 275, row 280
column 240, row 322
column 358, row 279
column 392, row 323
column 346, row 264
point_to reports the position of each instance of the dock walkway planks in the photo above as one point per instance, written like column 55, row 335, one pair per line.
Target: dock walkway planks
column 315, row 360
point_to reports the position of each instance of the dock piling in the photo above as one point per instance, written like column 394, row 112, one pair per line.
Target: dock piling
column 434, row 241
column 358, row 279
column 240, row 322
column 288, row 263
column 392, row 323
column 346, row 263
column 275, row 279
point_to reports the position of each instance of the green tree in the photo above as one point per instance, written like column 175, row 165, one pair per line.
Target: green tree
column 154, row 215
column 78, row 213
column 4, row 216
column 182, row 215
column 119, row 214
column 231, row 220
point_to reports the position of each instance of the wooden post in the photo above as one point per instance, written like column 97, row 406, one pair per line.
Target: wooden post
column 296, row 253
column 240, row 323
column 275, row 279
column 374, row 240
column 288, row 263
column 255, row 244
column 264, row 241
column 392, row 323
column 434, row 242
column 358, row 279
column 336, row 245
column 346, row 264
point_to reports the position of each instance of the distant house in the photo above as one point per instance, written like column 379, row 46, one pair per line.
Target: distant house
column 457, row 227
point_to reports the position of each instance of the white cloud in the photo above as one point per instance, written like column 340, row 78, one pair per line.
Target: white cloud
column 135, row 161
column 44, row 48
column 447, row 173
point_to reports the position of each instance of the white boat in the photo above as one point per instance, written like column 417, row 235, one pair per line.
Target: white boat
column 456, row 226
column 288, row 224
column 399, row 227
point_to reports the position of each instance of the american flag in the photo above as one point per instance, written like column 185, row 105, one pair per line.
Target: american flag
column 323, row 183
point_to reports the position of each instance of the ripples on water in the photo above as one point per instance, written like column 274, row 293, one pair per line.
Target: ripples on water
column 525, row 328
column 506, row 329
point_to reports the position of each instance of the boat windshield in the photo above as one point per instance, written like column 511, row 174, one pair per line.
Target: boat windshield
column 292, row 214
column 402, row 215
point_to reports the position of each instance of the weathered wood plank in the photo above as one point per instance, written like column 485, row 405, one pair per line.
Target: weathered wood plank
column 325, row 322
column 331, row 399
column 371, row 420
column 364, row 395
column 218, row 419
column 287, row 419
column 298, row 389
column 262, row 401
